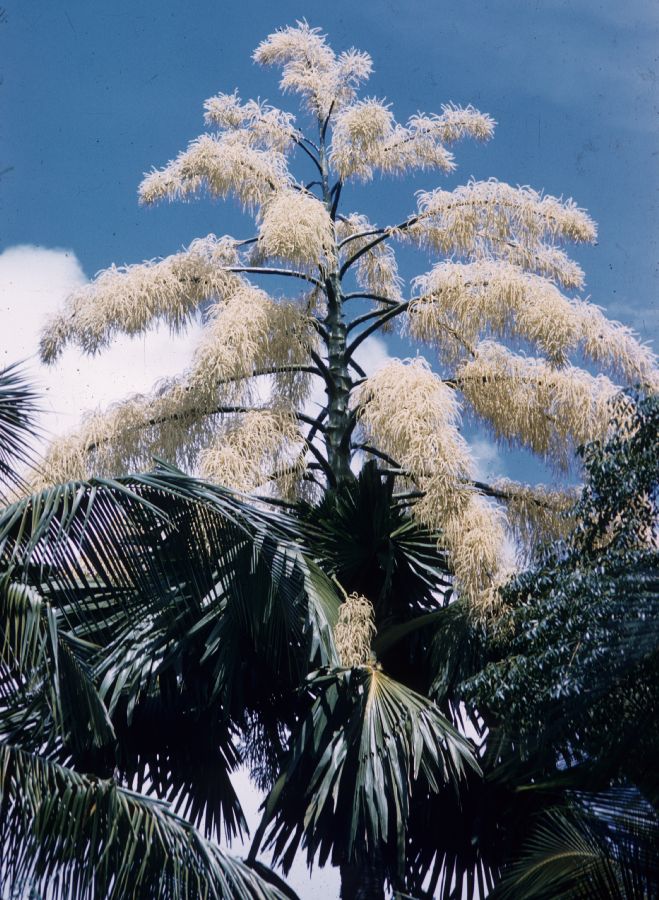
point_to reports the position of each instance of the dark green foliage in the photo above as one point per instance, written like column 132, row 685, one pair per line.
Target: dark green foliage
column 573, row 678
column 130, row 612
column 157, row 631
column 18, row 407
column 367, row 746
column 597, row 845
column 579, row 649
column 71, row 836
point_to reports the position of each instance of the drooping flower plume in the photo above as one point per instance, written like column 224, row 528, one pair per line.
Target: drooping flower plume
column 407, row 411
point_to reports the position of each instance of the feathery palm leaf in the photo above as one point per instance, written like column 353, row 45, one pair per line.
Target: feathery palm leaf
column 75, row 837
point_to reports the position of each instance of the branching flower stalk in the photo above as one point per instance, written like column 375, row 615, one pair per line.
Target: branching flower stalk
column 242, row 411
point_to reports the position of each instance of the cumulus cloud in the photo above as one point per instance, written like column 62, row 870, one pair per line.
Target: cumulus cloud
column 487, row 458
column 34, row 282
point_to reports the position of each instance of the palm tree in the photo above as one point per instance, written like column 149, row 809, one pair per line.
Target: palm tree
column 319, row 628
column 159, row 631
column 135, row 681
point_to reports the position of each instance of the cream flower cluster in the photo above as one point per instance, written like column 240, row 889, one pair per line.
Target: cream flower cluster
column 531, row 403
column 366, row 138
column 410, row 414
column 535, row 513
column 246, row 336
column 256, row 448
column 354, row 630
column 131, row 299
column 224, row 165
column 296, row 228
column 496, row 297
column 493, row 219
column 263, row 126
column 311, row 69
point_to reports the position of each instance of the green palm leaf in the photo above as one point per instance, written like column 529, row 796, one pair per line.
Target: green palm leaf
column 47, row 695
column 367, row 745
column 596, row 846
column 371, row 545
column 77, row 837
column 17, row 412
column 199, row 616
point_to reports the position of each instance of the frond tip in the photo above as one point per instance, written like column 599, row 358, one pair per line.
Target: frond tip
column 18, row 411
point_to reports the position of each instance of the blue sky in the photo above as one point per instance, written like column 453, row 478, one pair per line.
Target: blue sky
column 96, row 93
column 93, row 94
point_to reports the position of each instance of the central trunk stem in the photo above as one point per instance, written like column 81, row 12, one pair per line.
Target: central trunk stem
column 338, row 384
column 338, row 387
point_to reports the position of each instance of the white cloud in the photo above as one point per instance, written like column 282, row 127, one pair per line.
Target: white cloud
column 372, row 355
column 34, row 281
column 487, row 459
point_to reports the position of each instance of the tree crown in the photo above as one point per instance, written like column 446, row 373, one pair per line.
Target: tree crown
column 243, row 412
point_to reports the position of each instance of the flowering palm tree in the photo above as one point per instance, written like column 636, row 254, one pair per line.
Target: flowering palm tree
column 341, row 695
column 497, row 271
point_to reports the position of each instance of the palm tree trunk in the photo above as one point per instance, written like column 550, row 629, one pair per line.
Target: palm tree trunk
column 362, row 881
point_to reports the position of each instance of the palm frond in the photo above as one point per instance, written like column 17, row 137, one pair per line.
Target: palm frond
column 199, row 613
column 17, row 413
column 373, row 547
column 594, row 846
column 366, row 747
column 47, row 694
column 76, row 837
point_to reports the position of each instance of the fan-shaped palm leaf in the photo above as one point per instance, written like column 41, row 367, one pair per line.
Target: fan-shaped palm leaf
column 367, row 745
column 596, row 846
column 47, row 695
column 17, row 413
column 173, row 587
